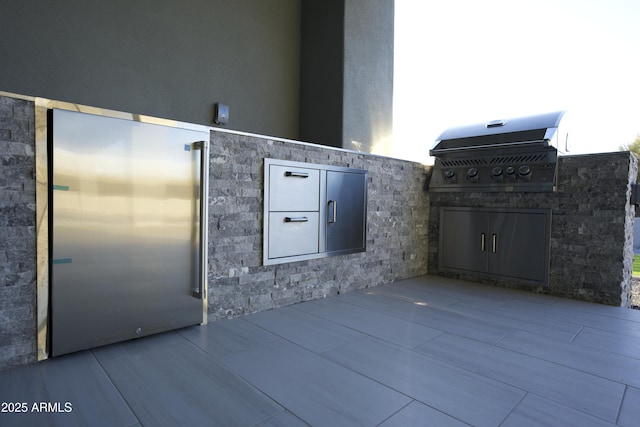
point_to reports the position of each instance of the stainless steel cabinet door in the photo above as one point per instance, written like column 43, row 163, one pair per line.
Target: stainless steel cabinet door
column 464, row 240
column 508, row 243
column 346, row 211
column 124, row 228
column 520, row 245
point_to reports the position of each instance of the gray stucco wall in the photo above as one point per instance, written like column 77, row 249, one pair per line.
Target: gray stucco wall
column 591, row 227
column 346, row 92
column 314, row 70
column 368, row 76
column 162, row 58
column 321, row 78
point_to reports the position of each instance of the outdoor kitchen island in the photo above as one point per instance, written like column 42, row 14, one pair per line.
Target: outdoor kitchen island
column 506, row 208
column 591, row 232
column 590, row 241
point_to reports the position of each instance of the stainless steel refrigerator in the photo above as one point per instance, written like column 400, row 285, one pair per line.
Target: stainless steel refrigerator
column 126, row 236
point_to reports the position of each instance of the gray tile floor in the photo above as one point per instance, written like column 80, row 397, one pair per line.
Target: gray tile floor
column 427, row 351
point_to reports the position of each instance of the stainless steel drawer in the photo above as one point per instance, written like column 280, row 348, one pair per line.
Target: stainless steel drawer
column 293, row 233
column 293, row 188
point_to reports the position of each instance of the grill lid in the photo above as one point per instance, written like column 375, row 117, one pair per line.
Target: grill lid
column 540, row 130
column 503, row 155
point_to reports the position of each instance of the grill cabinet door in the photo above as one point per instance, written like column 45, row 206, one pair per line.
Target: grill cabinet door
column 463, row 239
column 519, row 245
column 346, row 210
column 501, row 243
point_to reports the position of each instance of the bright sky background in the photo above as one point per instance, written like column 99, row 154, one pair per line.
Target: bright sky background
column 463, row 62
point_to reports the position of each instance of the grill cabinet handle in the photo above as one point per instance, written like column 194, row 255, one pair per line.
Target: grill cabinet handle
column 296, row 219
column 482, row 242
column 494, row 243
column 296, row 174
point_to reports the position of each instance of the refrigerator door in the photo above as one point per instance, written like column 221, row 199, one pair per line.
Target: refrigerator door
column 124, row 227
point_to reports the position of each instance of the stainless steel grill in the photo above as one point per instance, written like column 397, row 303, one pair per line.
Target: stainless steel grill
column 518, row 154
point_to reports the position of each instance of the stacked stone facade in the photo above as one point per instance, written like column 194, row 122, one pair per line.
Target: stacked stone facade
column 17, row 233
column 591, row 231
column 591, row 227
column 397, row 226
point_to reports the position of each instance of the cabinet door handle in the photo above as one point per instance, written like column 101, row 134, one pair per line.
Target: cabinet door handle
column 296, row 174
column 483, row 242
column 335, row 211
column 494, row 243
column 296, row 219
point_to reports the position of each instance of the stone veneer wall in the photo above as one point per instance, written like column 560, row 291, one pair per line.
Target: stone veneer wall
column 591, row 227
column 591, row 241
column 397, row 227
column 17, row 233
column 238, row 283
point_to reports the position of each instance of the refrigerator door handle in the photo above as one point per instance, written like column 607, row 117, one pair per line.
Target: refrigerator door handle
column 200, row 291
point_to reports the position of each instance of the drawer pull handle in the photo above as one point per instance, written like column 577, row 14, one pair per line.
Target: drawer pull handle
column 297, row 174
column 296, row 219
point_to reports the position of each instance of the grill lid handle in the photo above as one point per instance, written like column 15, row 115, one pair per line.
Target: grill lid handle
column 496, row 124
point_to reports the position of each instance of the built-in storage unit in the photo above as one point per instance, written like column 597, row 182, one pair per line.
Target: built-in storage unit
column 509, row 243
column 312, row 211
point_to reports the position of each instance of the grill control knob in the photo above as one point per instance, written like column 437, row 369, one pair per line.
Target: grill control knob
column 511, row 172
column 496, row 174
column 525, row 172
column 472, row 174
column 450, row 175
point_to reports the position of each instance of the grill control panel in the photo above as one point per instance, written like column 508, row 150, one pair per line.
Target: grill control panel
column 532, row 172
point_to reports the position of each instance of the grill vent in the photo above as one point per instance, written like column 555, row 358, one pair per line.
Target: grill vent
column 520, row 158
column 464, row 162
column 530, row 158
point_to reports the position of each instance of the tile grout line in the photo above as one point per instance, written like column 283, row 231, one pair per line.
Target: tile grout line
column 433, row 358
column 242, row 378
column 387, row 386
column 576, row 334
column 139, row 422
column 268, row 417
column 557, row 363
column 511, row 332
column 624, row 395
column 527, row 393
column 395, row 413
